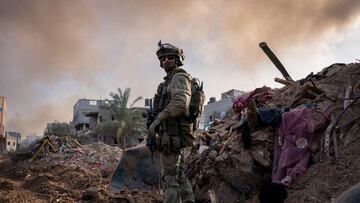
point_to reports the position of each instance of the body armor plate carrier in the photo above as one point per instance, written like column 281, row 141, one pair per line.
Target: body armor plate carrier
column 177, row 133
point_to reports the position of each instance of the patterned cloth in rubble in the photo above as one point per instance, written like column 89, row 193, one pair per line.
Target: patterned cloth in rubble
column 295, row 135
column 260, row 95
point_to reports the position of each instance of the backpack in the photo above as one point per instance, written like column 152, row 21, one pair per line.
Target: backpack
column 197, row 99
column 196, row 102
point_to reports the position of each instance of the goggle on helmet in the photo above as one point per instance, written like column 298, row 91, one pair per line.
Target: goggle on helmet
column 169, row 49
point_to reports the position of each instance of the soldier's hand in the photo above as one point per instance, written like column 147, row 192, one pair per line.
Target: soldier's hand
column 153, row 126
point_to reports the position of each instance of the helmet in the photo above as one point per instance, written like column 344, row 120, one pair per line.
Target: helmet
column 169, row 49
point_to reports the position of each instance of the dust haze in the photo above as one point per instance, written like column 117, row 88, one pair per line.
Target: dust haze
column 55, row 52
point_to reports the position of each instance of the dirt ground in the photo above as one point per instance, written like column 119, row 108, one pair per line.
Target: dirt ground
column 53, row 179
column 328, row 179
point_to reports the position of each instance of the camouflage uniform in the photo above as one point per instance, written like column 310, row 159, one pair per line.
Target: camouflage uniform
column 171, row 104
column 176, row 91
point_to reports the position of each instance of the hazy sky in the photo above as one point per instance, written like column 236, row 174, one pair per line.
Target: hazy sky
column 54, row 52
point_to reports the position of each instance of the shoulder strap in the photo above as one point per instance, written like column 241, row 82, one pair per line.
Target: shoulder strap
column 181, row 71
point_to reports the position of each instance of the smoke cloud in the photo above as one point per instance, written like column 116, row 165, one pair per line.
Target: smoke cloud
column 55, row 52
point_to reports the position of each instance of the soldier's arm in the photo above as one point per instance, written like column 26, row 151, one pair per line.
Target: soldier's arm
column 180, row 90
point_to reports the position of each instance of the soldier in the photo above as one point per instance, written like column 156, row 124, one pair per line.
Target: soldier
column 175, row 131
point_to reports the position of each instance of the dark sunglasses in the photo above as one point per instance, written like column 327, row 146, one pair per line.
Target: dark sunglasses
column 167, row 57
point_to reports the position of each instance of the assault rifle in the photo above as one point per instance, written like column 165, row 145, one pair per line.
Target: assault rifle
column 150, row 141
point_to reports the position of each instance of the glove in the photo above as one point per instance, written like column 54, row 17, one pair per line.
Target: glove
column 152, row 127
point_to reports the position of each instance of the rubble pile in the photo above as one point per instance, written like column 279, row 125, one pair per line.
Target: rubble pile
column 235, row 161
column 74, row 173
column 96, row 156
column 226, row 168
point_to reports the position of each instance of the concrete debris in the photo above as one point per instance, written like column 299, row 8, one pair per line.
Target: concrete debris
column 243, row 160
column 75, row 173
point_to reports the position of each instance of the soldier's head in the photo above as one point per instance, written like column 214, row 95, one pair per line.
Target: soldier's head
column 170, row 56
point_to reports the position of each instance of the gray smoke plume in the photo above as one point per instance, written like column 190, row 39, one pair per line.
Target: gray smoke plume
column 55, row 52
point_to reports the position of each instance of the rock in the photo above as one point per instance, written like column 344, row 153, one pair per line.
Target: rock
column 130, row 198
column 222, row 157
column 211, row 172
column 6, row 185
column 90, row 194
column 202, row 148
column 214, row 136
column 218, row 146
column 243, row 158
column 259, row 136
column 213, row 154
column 223, row 133
column 207, row 163
column 260, row 157
column 212, row 130
column 243, row 178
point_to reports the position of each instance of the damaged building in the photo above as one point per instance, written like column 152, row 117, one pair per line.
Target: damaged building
column 87, row 113
column 219, row 109
column 12, row 140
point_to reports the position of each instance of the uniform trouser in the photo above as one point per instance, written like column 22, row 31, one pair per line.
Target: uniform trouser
column 176, row 186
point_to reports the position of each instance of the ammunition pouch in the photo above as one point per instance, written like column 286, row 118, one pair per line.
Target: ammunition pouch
column 157, row 106
column 175, row 134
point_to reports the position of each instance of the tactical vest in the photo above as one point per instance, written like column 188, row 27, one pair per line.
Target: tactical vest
column 177, row 133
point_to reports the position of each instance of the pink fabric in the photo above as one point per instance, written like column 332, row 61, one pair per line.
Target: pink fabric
column 295, row 135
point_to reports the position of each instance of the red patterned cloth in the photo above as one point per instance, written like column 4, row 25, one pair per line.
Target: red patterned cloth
column 260, row 95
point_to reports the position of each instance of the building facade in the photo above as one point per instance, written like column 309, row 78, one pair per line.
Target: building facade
column 3, row 117
column 87, row 115
column 219, row 109
column 12, row 141
column 88, row 112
